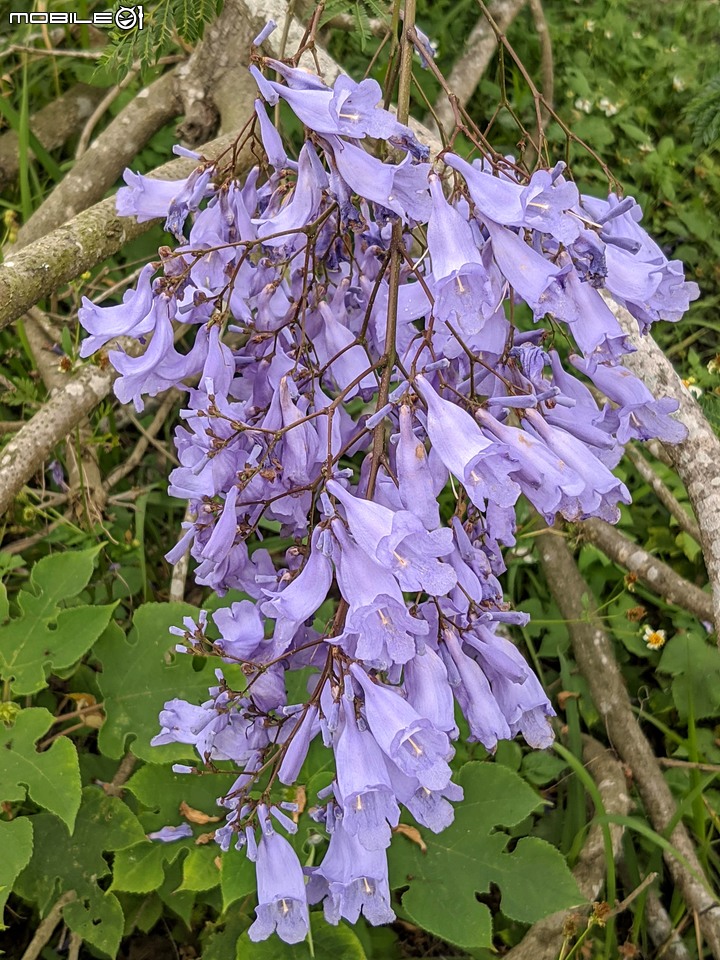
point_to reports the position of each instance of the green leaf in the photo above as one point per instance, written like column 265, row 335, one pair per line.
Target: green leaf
column 237, row 877
column 200, row 869
column 16, row 842
column 61, row 863
column 465, row 859
column 141, row 869
column 328, row 943
column 47, row 636
column 52, row 778
column 694, row 665
column 139, row 675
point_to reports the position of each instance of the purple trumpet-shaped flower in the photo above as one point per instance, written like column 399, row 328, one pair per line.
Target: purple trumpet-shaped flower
column 431, row 808
column 641, row 415
column 378, row 622
column 400, row 541
column 418, row 748
column 303, row 731
column 282, row 902
column 134, row 317
column 303, row 596
column 602, row 490
column 482, row 466
column 515, row 688
column 171, row 834
column 146, row 198
column 241, row 630
column 351, row 880
column 427, row 688
column 363, row 786
column 416, row 482
column 460, row 281
column 482, row 711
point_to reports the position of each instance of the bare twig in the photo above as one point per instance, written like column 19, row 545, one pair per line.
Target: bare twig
column 147, row 434
column 74, row 946
column 595, row 657
column 655, row 574
column 122, row 775
column 664, row 495
column 547, row 69
column 101, row 109
column 47, row 926
column 479, row 50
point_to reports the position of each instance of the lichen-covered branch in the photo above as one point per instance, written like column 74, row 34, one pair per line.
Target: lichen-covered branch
column 697, row 459
column 664, row 495
column 655, row 574
column 595, row 657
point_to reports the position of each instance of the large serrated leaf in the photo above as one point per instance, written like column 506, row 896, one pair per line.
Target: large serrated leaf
column 139, row 675
column 16, row 843
column 46, row 635
column 466, row 858
column 61, row 863
column 51, row 779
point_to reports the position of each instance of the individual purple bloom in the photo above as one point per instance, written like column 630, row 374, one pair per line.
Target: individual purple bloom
column 477, row 702
column 170, row 834
column 378, row 620
column 602, row 490
column 592, row 323
column 529, row 274
column 182, row 722
column 431, row 808
column 134, row 317
column 363, row 785
column 282, row 902
column 460, row 284
column 546, row 201
column 641, row 415
column 515, row 687
column 351, row 880
column 146, row 198
column 271, row 139
column 483, row 467
column 426, row 685
column 241, row 630
column 402, row 188
column 300, row 735
column 196, row 188
column 303, row 596
column 345, row 359
column 496, row 198
column 297, row 212
column 548, row 482
column 409, row 740
column 400, row 541
column 416, row 483
column 264, row 33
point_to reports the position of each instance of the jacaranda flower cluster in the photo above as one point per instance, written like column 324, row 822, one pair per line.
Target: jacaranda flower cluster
column 368, row 334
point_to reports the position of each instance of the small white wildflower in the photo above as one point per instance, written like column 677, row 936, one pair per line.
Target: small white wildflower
column 609, row 34
column 607, row 107
column 637, row 35
column 584, row 105
column 678, row 84
column 653, row 639
column 589, row 25
column 646, row 147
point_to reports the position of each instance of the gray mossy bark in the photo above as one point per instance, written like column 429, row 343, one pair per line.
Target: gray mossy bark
column 595, row 657
column 53, row 125
column 655, row 574
column 697, row 459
